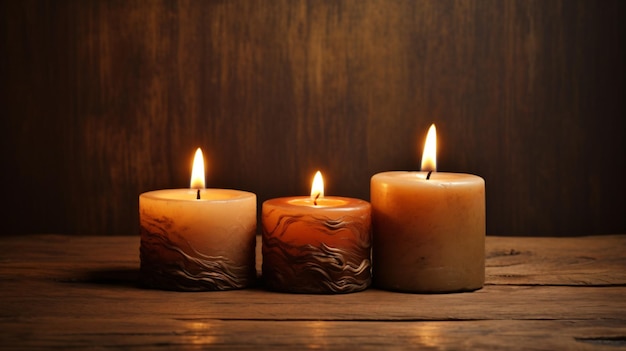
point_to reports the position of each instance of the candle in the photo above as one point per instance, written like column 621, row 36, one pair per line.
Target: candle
column 316, row 244
column 197, row 239
column 428, row 228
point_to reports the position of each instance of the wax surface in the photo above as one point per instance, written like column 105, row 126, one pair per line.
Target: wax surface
column 317, row 249
column 428, row 235
column 190, row 244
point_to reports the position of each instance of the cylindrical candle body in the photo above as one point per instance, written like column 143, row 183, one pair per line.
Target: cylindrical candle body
column 196, row 245
column 320, row 249
column 428, row 235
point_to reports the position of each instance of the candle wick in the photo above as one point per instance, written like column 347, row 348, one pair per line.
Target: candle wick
column 198, row 195
column 315, row 200
column 428, row 175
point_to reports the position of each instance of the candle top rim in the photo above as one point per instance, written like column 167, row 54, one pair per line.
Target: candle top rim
column 345, row 203
column 206, row 195
column 435, row 178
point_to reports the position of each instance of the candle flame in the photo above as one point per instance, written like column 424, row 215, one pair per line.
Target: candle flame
column 197, row 172
column 429, row 157
column 317, row 188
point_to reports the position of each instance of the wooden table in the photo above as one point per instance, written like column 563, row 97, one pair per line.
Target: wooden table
column 69, row 292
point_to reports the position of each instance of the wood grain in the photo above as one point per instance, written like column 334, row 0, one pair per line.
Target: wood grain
column 103, row 100
column 64, row 292
column 581, row 261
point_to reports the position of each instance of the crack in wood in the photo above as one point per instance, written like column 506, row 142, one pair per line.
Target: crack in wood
column 504, row 253
column 609, row 340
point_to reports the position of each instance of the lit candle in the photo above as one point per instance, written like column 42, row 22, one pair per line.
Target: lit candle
column 428, row 228
column 197, row 239
column 316, row 244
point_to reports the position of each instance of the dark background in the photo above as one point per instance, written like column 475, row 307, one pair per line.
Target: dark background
column 103, row 100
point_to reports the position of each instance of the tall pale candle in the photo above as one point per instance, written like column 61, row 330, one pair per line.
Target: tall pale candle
column 197, row 239
column 428, row 230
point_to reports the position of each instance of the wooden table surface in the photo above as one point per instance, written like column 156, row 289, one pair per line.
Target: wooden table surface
column 69, row 292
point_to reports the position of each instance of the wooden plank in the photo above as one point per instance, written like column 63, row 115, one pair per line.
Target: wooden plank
column 594, row 260
column 64, row 292
column 188, row 334
column 80, row 299
column 56, row 274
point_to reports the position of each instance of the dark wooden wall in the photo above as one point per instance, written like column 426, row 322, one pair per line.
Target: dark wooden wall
column 103, row 100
